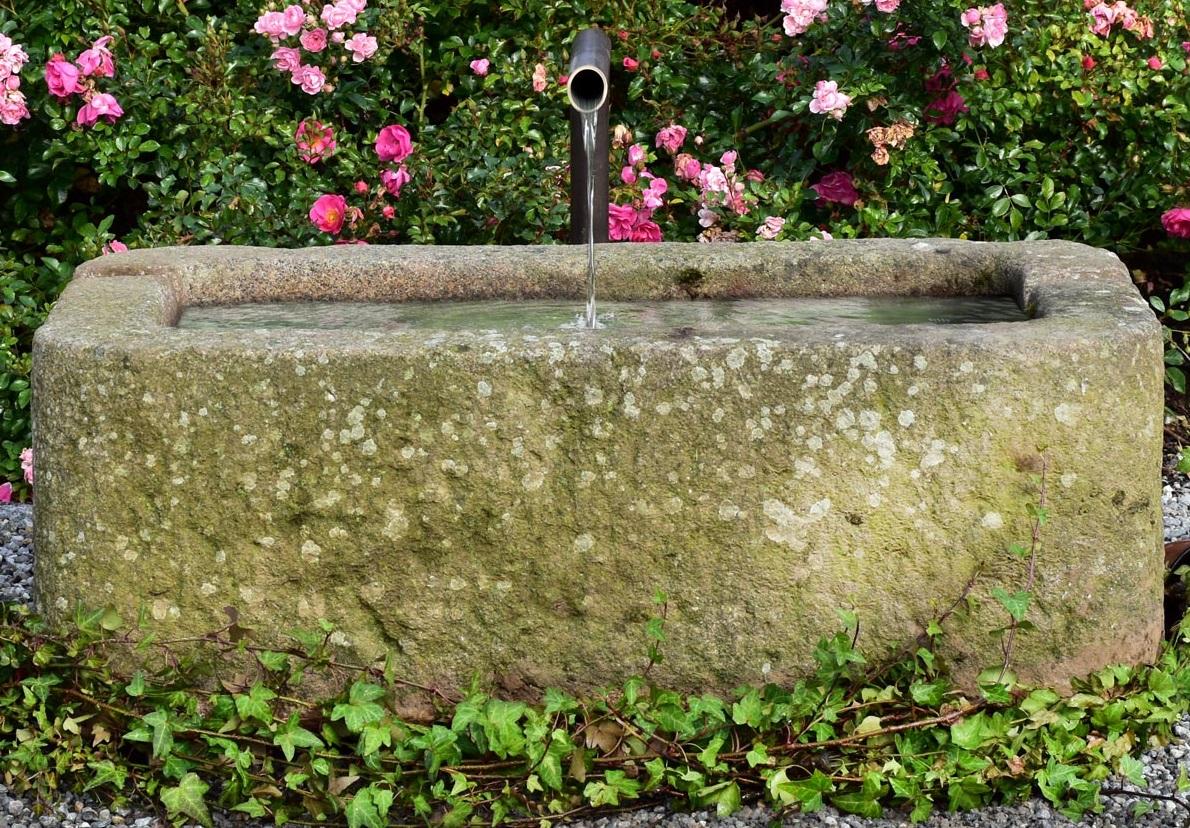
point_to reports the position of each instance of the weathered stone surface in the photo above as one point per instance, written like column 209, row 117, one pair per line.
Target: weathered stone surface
column 507, row 505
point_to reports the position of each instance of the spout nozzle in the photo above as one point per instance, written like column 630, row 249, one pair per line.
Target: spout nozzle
column 587, row 88
column 590, row 64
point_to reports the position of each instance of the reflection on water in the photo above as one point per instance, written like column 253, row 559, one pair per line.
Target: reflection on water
column 740, row 317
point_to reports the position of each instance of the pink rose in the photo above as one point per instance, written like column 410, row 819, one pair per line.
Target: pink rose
column 945, row 110
column 27, row 464
column 114, row 246
column 686, row 167
column 619, row 221
column 771, row 228
column 292, row 20
column 646, row 231
column 361, row 187
column 636, row 154
column 388, row 211
column 62, row 77
column 362, row 46
column 707, row 217
column 656, row 188
column 988, row 25
column 712, row 180
column 287, row 59
column 313, row 40
column 828, row 100
column 5, row 492
column 480, row 66
column 836, row 187
column 315, row 141
column 671, row 138
column 270, row 24
column 98, row 60
column 309, row 78
column 801, row 14
column 1102, row 18
column 1155, row 63
column 631, row 64
column 1177, row 222
column 1088, row 63
column 328, row 213
column 340, row 14
column 1186, row 46
column 394, row 143
column 887, row 6
column 728, row 159
column 101, row 105
column 394, row 180
column 13, row 108
column 539, row 80
column 628, row 175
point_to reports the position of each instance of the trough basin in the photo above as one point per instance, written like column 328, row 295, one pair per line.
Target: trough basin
column 476, row 496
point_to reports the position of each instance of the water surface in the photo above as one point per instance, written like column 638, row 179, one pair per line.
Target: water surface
column 739, row 317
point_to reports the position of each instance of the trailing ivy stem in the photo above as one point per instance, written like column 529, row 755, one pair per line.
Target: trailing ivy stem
column 1034, row 544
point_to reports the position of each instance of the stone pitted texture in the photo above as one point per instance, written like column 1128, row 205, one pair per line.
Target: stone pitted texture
column 506, row 505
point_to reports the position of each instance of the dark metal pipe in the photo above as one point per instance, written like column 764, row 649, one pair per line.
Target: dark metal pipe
column 587, row 88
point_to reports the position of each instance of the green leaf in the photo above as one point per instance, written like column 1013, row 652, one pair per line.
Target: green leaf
column 295, row 736
column 362, row 811
column 728, row 800
column 253, row 808
column 277, row 662
column 163, row 734
column 1015, row 604
column 939, row 37
column 106, row 773
column 136, row 687
column 187, row 799
column 749, row 710
column 1133, row 769
column 860, row 803
column 970, row 732
column 255, row 705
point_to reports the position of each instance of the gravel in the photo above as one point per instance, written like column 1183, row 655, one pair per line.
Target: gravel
column 1162, row 766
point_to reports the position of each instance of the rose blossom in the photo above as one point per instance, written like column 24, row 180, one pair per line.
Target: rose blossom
column 671, row 138
column 645, row 230
column 628, row 175
column 328, row 213
column 945, row 110
column 988, row 25
column 539, row 81
column 98, row 60
column 309, row 78
column 712, row 180
column 837, row 187
column 27, row 464
column 1186, row 46
column 362, row 46
column 314, row 141
column 340, row 14
column 313, row 40
column 654, row 191
column 394, row 180
column 886, row 6
column 728, row 160
column 636, row 154
column 1088, row 63
column 631, row 64
column 619, row 221
column 771, row 228
column 114, row 246
column 480, row 66
column 801, row 14
column 828, row 100
column 1102, row 17
column 1177, row 222
column 13, row 108
column 707, row 217
column 1155, row 63
column 394, row 143
column 101, row 105
column 686, row 167
column 388, row 211
column 62, row 77
column 6, row 492
column 287, row 59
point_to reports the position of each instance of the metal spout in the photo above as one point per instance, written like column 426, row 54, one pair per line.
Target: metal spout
column 587, row 89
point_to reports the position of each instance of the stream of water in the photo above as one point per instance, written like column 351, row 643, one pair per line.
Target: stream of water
column 590, row 119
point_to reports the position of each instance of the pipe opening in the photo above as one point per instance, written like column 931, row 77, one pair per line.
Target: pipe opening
column 587, row 89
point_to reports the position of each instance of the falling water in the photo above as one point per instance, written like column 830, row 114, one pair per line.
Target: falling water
column 589, row 121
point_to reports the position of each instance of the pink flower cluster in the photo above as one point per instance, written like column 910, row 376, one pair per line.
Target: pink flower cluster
column 987, row 25
column 828, row 100
column 886, row 6
column 671, row 138
column 26, row 468
column 634, row 222
column 480, row 66
column 330, row 212
column 722, row 188
column 314, row 33
column 65, row 79
column 1104, row 17
column 13, row 109
column 801, row 14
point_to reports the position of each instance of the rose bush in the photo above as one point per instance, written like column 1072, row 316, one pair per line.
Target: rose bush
column 196, row 122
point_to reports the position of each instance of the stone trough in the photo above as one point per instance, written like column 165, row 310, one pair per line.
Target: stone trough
column 505, row 504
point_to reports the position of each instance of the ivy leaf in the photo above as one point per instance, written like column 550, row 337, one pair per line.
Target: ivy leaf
column 505, row 736
column 359, row 711
column 136, row 687
column 276, row 662
column 748, row 710
column 971, row 732
column 106, row 773
column 187, row 799
column 374, row 736
column 253, row 808
column 295, row 736
column 860, row 803
column 1133, row 769
column 163, row 734
column 1015, row 604
column 255, row 705
column 362, row 812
